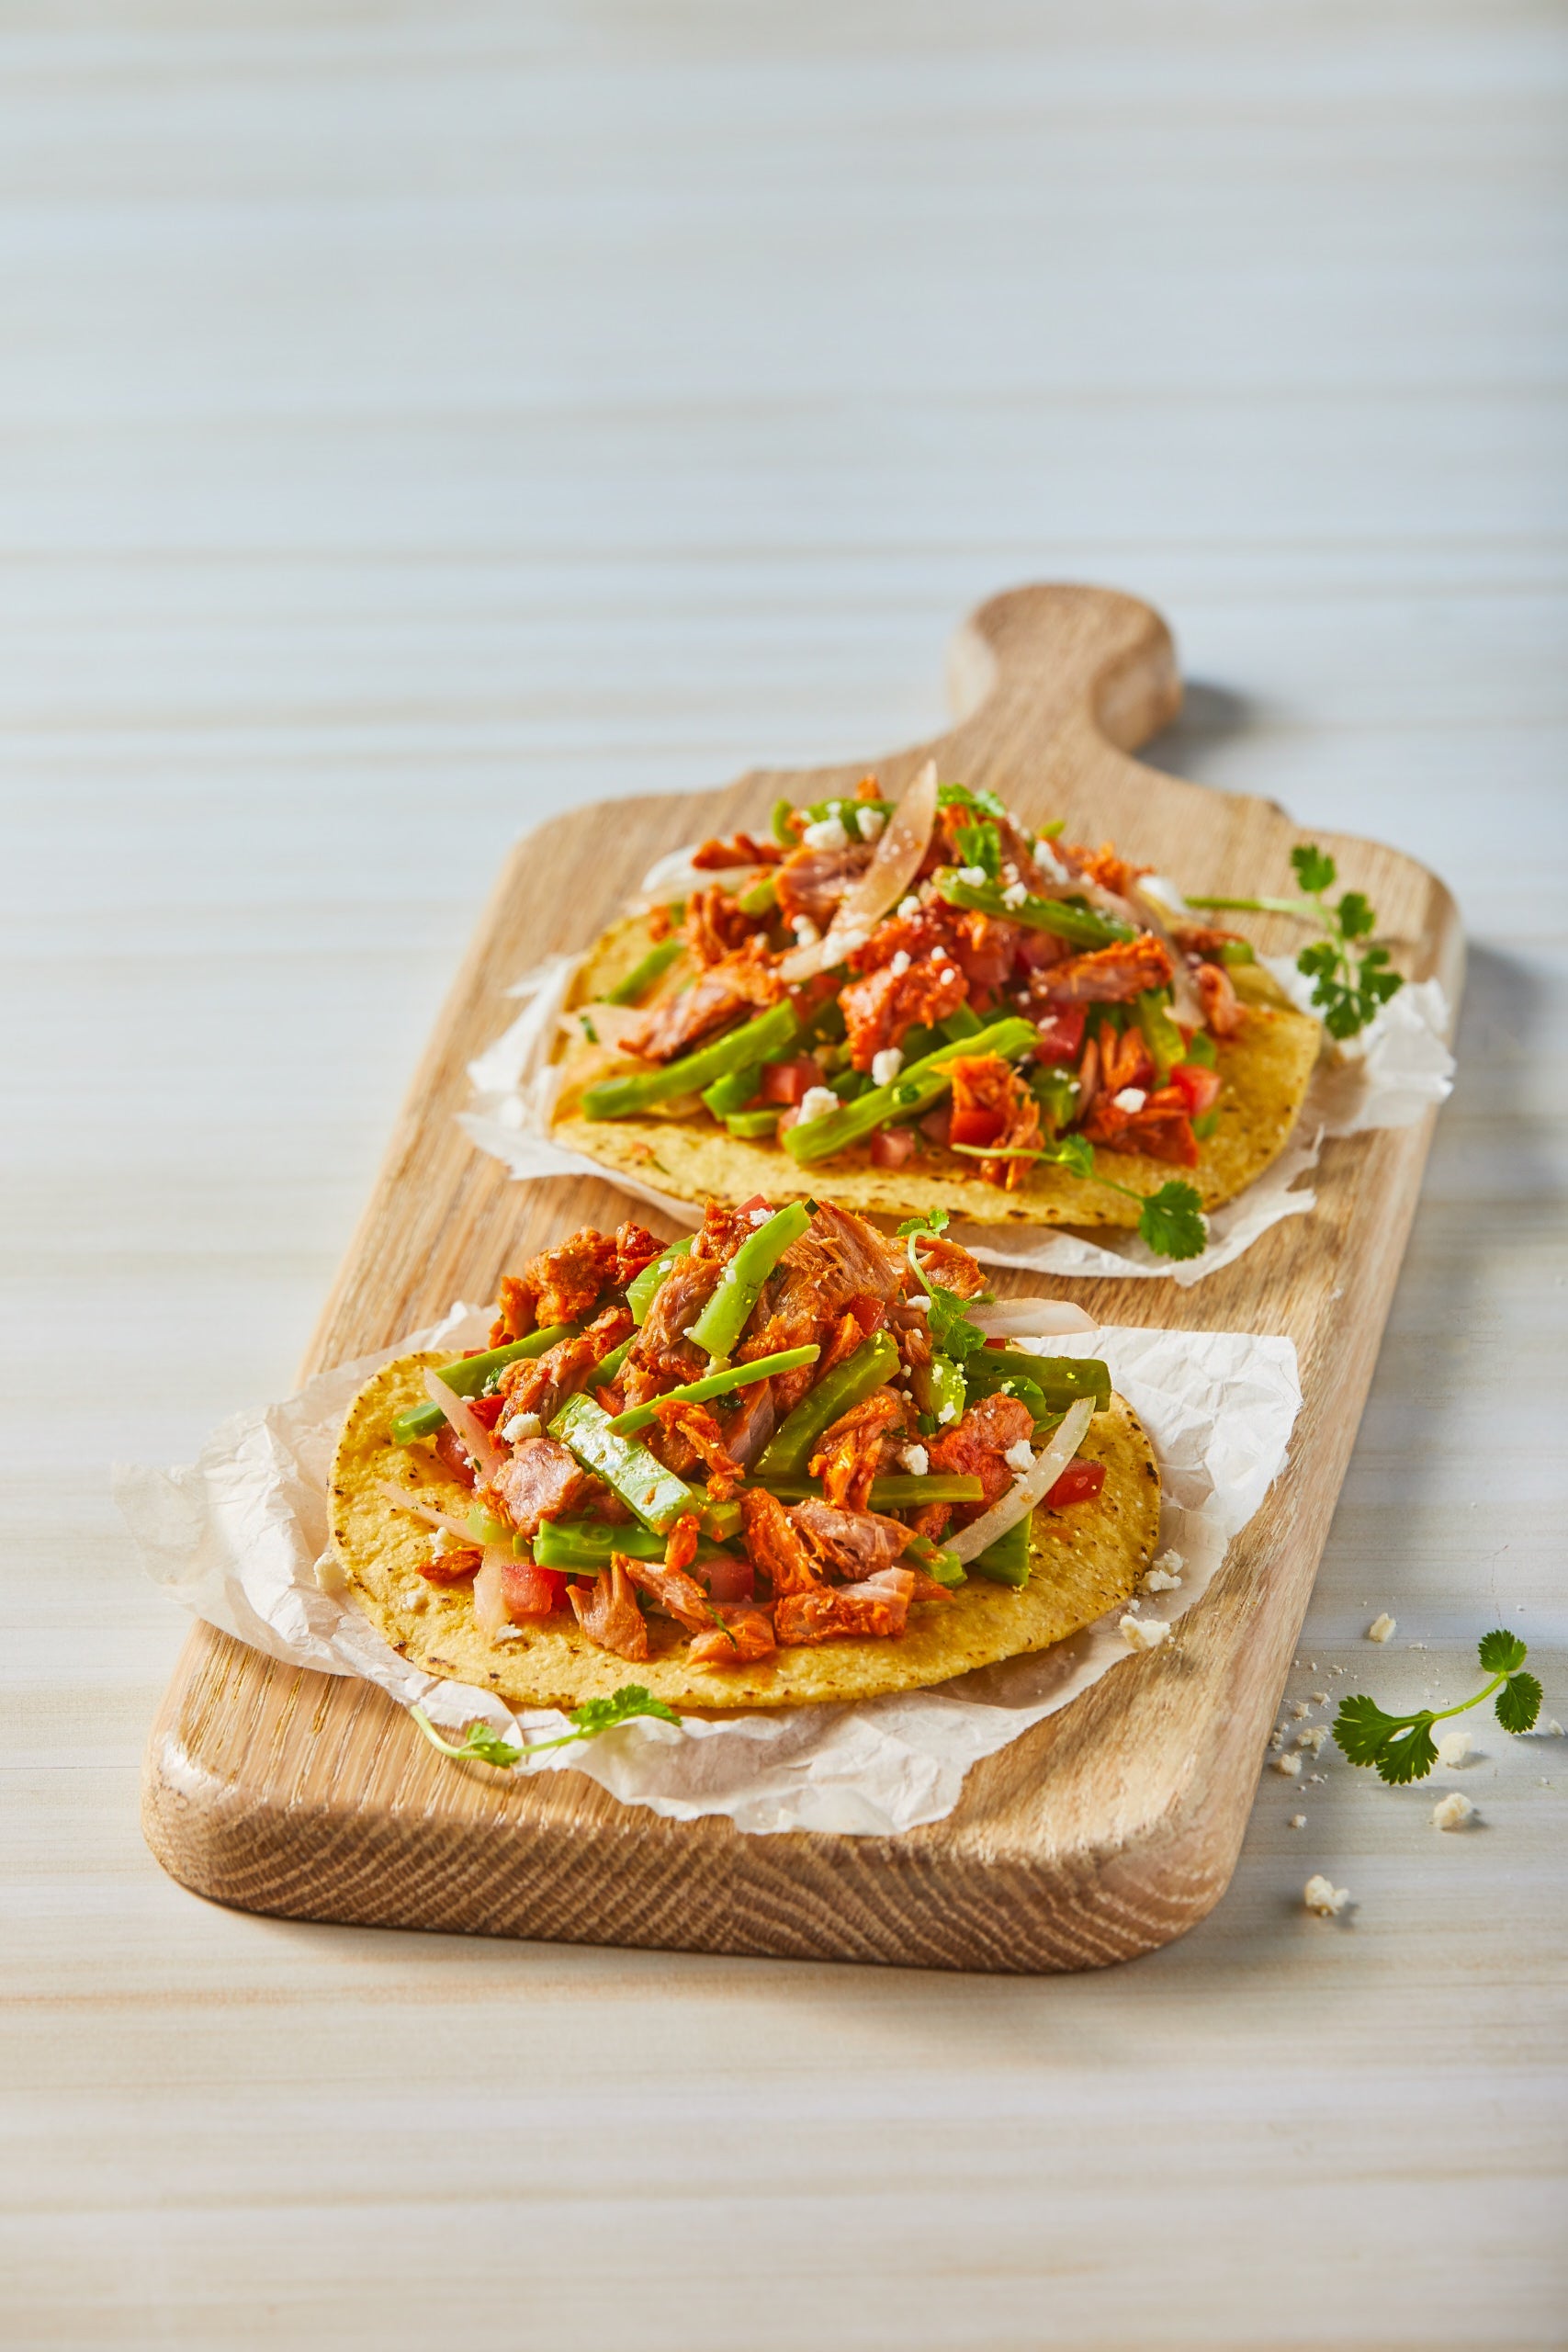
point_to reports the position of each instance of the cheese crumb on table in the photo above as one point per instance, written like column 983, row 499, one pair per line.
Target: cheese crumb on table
column 1320, row 1698
column 1141, row 1636
column 1289, row 1765
column 1382, row 1629
column 1320, row 1894
column 1298, row 1821
column 1452, row 1812
column 1300, row 1708
column 1453, row 1750
column 1313, row 1738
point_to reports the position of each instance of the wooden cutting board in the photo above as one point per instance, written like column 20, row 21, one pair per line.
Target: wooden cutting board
column 1105, row 1831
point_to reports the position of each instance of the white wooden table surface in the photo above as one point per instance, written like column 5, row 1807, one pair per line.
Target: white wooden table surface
column 416, row 419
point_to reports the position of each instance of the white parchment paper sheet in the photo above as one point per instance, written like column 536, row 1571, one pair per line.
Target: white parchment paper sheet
column 1385, row 1078
column 241, row 1537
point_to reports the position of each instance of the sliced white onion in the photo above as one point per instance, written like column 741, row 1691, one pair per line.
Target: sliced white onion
column 1032, row 1488
column 900, row 852
column 1187, row 1004
column 489, row 1592
column 404, row 1499
column 612, row 1024
column 1031, row 1318
column 473, row 1432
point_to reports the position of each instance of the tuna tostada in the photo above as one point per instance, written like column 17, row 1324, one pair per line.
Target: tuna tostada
column 788, row 1459
column 931, row 1004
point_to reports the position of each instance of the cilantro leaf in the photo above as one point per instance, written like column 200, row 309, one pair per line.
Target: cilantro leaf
column 1172, row 1221
column 937, row 1222
column 1500, row 1652
column 981, row 845
column 595, row 1715
column 1518, row 1703
column 1354, row 915
column 1363, row 1730
column 959, row 796
column 1315, row 869
column 1075, row 1154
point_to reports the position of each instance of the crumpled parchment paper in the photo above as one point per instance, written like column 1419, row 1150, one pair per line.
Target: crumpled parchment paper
column 1385, row 1078
column 240, row 1538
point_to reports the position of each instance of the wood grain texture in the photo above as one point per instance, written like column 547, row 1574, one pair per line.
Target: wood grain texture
column 1110, row 1828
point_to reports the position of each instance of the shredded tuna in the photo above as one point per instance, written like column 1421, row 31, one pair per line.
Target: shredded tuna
column 702, row 1433
column 716, row 925
column 751, row 1424
column 1113, row 975
column 740, row 984
column 559, row 1285
column 1104, row 866
column 976, row 1447
column 541, row 1384
column 1206, row 941
column 774, row 1545
column 852, row 1451
column 1124, row 1059
column 743, row 849
column 540, row 1482
column 635, row 1249
column 1161, row 1130
column 1221, row 1009
column 950, row 1264
column 853, row 1542
column 609, row 1615
column 882, row 1007
column 988, row 1093
column 746, row 1636
column 679, row 1595
column 812, row 882
column 844, row 1612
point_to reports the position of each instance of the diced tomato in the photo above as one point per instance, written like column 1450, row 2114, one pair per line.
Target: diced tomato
column 1038, row 950
column 531, row 1592
column 936, row 1126
column 1200, row 1088
column 892, row 1147
column 730, row 1579
column 977, row 1126
column 450, row 1452
column 790, row 1081
column 1080, row 1483
column 1062, row 1034
column 487, row 1411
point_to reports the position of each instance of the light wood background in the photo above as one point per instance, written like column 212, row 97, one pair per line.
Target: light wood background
column 413, row 421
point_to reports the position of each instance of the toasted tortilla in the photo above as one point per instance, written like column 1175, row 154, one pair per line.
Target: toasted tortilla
column 1264, row 1072
column 1082, row 1561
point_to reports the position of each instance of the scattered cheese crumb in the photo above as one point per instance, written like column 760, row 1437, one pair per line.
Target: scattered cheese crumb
column 948, row 1413
column 1320, row 1698
column 921, row 1303
column 1299, row 1709
column 1453, row 1750
column 1141, row 1636
column 1049, row 863
column 1315, row 1779
column 442, row 1541
column 1298, row 1821
column 975, row 875
column 1452, row 1812
column 1019, row 1457
column 1382, row 1628
column 886, row 1065
column 805, row 931
column 1275, row 1741
column 1289, row 1765
column 1312, row 1738
column 1320, row 1894
column 522, row 1425
column 817, row 1102
column 1156, row 1581
column 1131, row 1098
column 915, row 1460
column 899, row 964
column 1015, row 894
column 910, row 905
column 869, row 823
column 828, row 833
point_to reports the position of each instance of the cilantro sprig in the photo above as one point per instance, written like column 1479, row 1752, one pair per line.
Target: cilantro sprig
column 947, row 1317
column 1171, row 1221
column 595, row 1715
column 1351, row 983
column 1401, row 1747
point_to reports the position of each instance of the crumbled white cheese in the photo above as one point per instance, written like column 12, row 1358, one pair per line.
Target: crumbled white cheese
column 1170, row 1564
column 1320, row 1698
column 948, row 1413
column 1298, row 1821
column 849, row 943
column 1131, row 1098
column 1156, row 1581
column 758, row 1216
column 1015, row 894
column 1321, row 1894
column 975, row 875
column 920, row 1303
column 1275, row 1741
column 817, row 1102
column 1140, row 1634
column 1452, row 1812
column 869, row 822
column 1453, row 1750
column 1300, row 1708
column 1019, row 1457
column 1049, row 863
column 910, row 905
column 522, row 1425
column 442, row 1541
column 886, row 1065
column 899, row 964
column 1382, row 1628
column 1313, row 1738
column 1289, row 1765
column 828, row 833
column 915, row 1460
column 805, row 931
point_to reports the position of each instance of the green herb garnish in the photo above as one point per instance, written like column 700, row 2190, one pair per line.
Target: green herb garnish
column 595, row 1715
column 1170, row 1221
column 1401, row 1747
column 1351, row 983
column 947, row 1317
